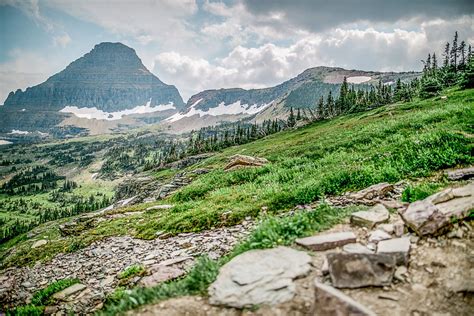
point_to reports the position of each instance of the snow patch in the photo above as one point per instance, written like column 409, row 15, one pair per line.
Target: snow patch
column 222, row 109
column 94, row 113
column 23, row 110
column 5, row 142
column 358, row 79
column 18, row 132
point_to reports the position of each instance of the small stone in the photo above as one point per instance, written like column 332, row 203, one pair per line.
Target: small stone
column 39, row 243
column 359, row 270
column 376, row 215
column 388, row 297
column 388, row 228
column 400, row 273
column 356, row 248
column 64, row 294
column 460, row 174
column 160, row 274
column 398, row 247
column 327, row 241
column 170, row 262
column 378, row 235
column 330, row 301
column 414, row 239
column 398, row 229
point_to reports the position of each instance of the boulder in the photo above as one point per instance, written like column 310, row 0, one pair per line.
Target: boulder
column 327, row 241
column 399, row 248
column 354, row 270
column 460, row 174
column 376, row 215
column 67, row 292
column 259, row 277
column 433, row 215
column 39, row 243
column 330, row 301
column 379, row 190
column 77, row 226
column 241, row 161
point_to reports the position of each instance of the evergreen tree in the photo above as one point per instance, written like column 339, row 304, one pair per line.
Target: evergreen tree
column 298, row 115
column 291, row 119
column 462, row 54
column 467, row 78
column 454, row 52
column 446, row 56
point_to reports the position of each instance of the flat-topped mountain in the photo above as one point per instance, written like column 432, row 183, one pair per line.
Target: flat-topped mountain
column 107, row 83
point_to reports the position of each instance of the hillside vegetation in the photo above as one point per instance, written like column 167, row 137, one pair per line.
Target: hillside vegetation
column 329, row 157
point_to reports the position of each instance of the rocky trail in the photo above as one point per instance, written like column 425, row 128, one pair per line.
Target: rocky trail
column 409, row 259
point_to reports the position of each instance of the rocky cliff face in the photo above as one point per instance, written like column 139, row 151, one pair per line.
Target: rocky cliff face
column 111, row 78
column 109, row 82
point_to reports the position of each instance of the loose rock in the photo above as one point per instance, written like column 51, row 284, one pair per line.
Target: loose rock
column 64, row 294
column 376, row 215
column 378, row 235
column 356, row 248
column 39, row 243
column 330, row 301
column 259, row 277
column 397, row 247
column 242, row 161
column 359, row 270
column 327, row 241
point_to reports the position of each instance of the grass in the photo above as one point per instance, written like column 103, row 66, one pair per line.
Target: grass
column 388, row 144
column 395, row 142
column 273, row 231
column 42, row 298
column 420, row 191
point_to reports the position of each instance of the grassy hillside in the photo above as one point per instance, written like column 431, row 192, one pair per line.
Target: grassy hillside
column 326, row 158
column 395, row 142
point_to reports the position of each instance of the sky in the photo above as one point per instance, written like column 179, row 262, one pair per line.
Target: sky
column 203, row 44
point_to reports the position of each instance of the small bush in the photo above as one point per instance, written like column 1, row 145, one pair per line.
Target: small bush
column 43, row 297
column 418, row 192
column 27, row 310
column 131, row 272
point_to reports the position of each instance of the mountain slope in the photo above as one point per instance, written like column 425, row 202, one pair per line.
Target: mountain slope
column 108, row 83
column 211, row 106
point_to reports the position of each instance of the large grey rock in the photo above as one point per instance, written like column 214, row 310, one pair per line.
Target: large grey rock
column 354, row 270
column 460, row 174
column 376, row 215
column 327, row 241
column 433, row 215
column 330, row 301
column 259, row 277
column 73, row 289
column 397, row 247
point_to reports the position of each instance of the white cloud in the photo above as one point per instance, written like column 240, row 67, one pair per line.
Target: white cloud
column 24, row 69
column 270, row 64
column 162, row 21
column 61, row 40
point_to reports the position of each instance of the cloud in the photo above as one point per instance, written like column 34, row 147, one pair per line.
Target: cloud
column 24, row 69
column 270, row 64
column 61, row 40
column 318, row 15
column 161, row 21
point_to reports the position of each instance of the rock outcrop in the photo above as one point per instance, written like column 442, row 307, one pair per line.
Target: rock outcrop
column 242, row 161
column 433, row 214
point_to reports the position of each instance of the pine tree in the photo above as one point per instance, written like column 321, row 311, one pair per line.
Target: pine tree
column 454, row 52
column 462, row 54
column 298, row 115
column 291, row 119
column 446, row 56
column 320, row 108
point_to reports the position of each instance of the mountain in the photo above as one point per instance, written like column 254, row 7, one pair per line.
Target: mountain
column 109, row 85
column 213, row 106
